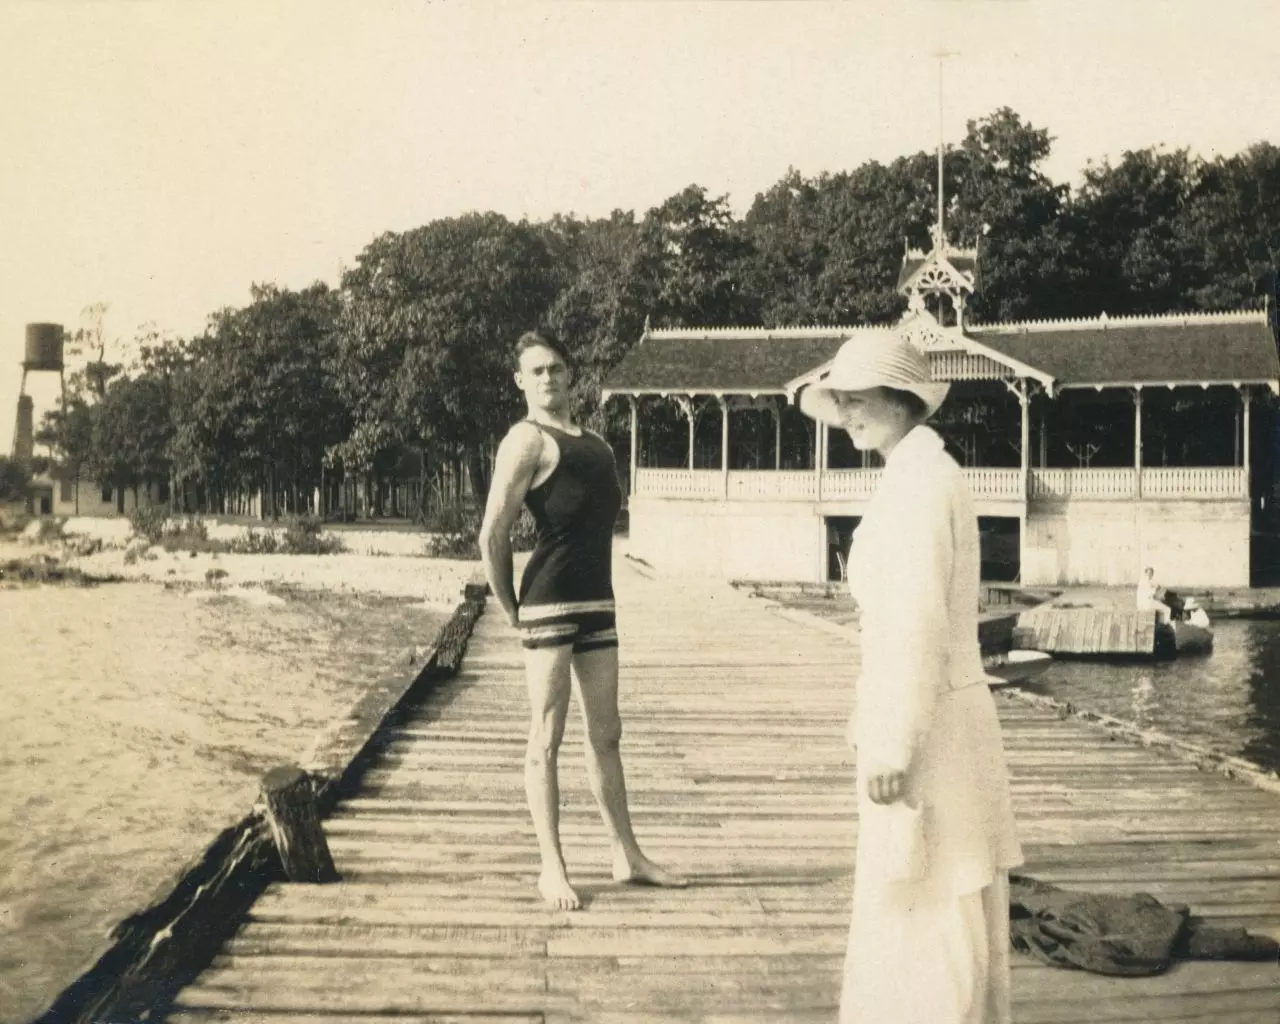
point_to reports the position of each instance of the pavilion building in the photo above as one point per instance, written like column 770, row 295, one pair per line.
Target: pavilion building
column 1092, row 447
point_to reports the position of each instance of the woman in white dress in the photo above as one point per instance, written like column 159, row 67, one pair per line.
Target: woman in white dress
column 929, row 940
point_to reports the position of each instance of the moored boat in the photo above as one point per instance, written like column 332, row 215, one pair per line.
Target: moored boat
column 1015, row 666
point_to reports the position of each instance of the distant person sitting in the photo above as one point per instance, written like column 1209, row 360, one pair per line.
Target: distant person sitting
column 1149, row 594
column 1196, row 615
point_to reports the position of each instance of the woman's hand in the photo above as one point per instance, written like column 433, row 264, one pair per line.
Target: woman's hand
column 887, row 787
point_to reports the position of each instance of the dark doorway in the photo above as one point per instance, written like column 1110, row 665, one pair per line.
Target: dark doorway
column 999, row 543
column 839, row 531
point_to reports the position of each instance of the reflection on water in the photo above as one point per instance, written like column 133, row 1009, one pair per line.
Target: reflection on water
column 136, row 724
column 1228, row 700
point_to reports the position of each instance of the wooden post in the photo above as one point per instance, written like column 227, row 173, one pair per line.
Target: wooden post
column 635, row 439
column 295, row 825
column 1137, row 441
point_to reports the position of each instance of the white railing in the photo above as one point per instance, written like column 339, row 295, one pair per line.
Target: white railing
column 1096, row 484
column 850, row 484
column 1210, row 483
column 1196, row 482
column 679, row 483
column 987, row 484
column 773, row 484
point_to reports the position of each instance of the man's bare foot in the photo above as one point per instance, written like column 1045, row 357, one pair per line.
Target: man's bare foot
column 640, row 870
column 557, row 891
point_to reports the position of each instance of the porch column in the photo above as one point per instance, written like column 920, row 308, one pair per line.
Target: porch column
column 777, row 433
column 687, row 405
column 1247, row 400
column 1024, row 455
column 635, row 439
column 724, row 443
column 1235, row 457
column 819, row 453
column 1137, row 441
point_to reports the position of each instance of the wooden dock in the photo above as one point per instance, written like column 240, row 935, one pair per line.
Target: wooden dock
column 738, row 776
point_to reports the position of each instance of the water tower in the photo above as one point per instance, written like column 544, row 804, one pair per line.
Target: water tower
column 43, row 354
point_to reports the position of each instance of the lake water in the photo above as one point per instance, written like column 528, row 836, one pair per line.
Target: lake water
column 1228, row 700
column 136, row 724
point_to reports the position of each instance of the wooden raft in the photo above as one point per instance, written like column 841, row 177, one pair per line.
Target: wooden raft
column 738, row 774
column 1085, row 631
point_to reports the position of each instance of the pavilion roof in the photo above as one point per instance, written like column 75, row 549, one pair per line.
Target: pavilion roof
column 725, row 359
column 1182, row 348
column 1178, row 348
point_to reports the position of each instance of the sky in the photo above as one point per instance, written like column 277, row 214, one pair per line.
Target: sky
column 160, row 156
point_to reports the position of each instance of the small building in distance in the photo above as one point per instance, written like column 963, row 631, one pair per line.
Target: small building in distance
column 1092, row 447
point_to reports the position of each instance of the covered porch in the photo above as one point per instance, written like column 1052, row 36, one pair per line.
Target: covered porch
column 1100, row 441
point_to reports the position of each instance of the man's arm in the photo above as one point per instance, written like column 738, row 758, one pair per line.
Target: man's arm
column 513, row 472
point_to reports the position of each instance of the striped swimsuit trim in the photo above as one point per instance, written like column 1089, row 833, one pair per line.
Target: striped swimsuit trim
column 587, row 625
column 542, row 612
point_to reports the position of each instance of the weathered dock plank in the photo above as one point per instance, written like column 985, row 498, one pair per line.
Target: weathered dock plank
column 739, row 776
column 1086, row 631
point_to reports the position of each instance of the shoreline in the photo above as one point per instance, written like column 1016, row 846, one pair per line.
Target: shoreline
column 195, row 683
column 435, row 582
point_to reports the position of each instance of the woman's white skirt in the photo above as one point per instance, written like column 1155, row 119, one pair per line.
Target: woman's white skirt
column 918, row 955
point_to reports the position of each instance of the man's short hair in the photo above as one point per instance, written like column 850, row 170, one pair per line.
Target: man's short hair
column 541, row 338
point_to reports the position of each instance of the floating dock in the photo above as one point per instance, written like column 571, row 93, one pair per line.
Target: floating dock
column 739, row 776
column 1090, row 631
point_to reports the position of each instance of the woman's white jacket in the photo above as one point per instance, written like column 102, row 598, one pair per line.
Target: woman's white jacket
column 923, row 704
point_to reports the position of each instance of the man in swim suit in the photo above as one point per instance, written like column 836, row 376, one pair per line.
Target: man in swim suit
column 565, row 614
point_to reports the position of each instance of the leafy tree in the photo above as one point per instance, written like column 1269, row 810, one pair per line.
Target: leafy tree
column 1133, row 247
column 1004, row 202
column 427, row 326
column 599, row 308
column 1230, row 228
column 693, row 263
column 259, row 400
column 13, row 480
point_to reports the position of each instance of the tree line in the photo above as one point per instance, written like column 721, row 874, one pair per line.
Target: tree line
column 402, row 372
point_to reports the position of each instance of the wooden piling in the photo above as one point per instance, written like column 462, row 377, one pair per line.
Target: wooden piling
column 289, row 799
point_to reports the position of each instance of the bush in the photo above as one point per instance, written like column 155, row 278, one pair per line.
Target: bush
column 149, row 522
column 302, row 537
column 254, row 543
column 457, row 533
column 188, row 535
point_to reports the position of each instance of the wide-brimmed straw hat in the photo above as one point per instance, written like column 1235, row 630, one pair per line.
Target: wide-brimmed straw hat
column 883, row 360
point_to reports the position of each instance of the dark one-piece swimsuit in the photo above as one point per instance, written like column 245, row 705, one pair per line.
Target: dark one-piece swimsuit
column 566, row 592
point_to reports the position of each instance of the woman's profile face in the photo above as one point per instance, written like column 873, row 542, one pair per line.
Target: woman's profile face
column 870, row 418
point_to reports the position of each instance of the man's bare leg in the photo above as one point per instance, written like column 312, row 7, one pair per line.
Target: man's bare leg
column 547, row 679
column 596, row 675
